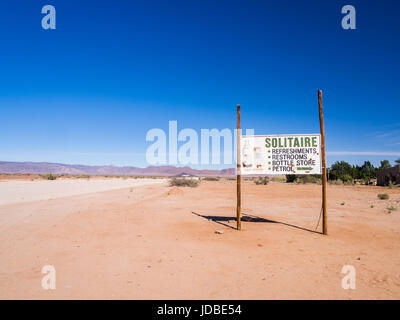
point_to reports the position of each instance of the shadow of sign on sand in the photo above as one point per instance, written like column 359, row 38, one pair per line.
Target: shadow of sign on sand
column 248, row 218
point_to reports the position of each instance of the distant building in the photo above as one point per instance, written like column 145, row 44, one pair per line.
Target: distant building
column 186, row 176
column 385, row 176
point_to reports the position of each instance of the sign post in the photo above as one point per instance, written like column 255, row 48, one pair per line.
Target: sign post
column 324, row 206
column 238, row 172
column 284, row 154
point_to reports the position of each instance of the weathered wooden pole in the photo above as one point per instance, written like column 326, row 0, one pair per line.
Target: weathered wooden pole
column 324, row 205
column 238, row 173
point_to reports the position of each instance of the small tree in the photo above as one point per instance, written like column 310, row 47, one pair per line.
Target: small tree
column 357, row 172
column 368, row 171
column 385, row 164
column 340, row 169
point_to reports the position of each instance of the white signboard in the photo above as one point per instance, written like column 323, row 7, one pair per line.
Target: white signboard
column 281, row 154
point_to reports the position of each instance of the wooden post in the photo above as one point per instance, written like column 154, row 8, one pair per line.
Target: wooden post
column 324, row 206
column 238, row 173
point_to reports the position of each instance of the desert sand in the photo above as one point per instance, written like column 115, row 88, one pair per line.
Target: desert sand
column 16, row 191
column 159, row 242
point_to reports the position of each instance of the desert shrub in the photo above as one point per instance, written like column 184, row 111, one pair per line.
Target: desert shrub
column 391, row 208
column 383, row 196
column 278, row 179
column 261, row 180
column 336, row 182
column 83, row 176
column 182, row 182
column 311, row 178
column 304, row 178
column 49, row 176
column 211, row 179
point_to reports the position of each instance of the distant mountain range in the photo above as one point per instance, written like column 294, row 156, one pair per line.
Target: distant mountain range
column 59, row 168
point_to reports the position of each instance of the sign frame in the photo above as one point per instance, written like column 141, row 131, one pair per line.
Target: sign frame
column 279, row 136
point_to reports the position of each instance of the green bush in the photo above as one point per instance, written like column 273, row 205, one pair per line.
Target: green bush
column 262, row 181
column 340, row 169
column 290, row 178
column 343, row 170
column 182, row 182
column 346, row 178
column 49, row 176
column 383, row 196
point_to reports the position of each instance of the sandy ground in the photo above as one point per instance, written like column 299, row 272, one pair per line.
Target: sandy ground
column 159, row 242
column 16, row 191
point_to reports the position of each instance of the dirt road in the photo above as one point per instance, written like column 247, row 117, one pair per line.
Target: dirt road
column 17, row 191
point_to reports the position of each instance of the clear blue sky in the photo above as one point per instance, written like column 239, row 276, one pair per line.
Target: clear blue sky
column 89, row 91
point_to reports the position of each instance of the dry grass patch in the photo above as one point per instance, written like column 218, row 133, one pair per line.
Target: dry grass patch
column 182, row 182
